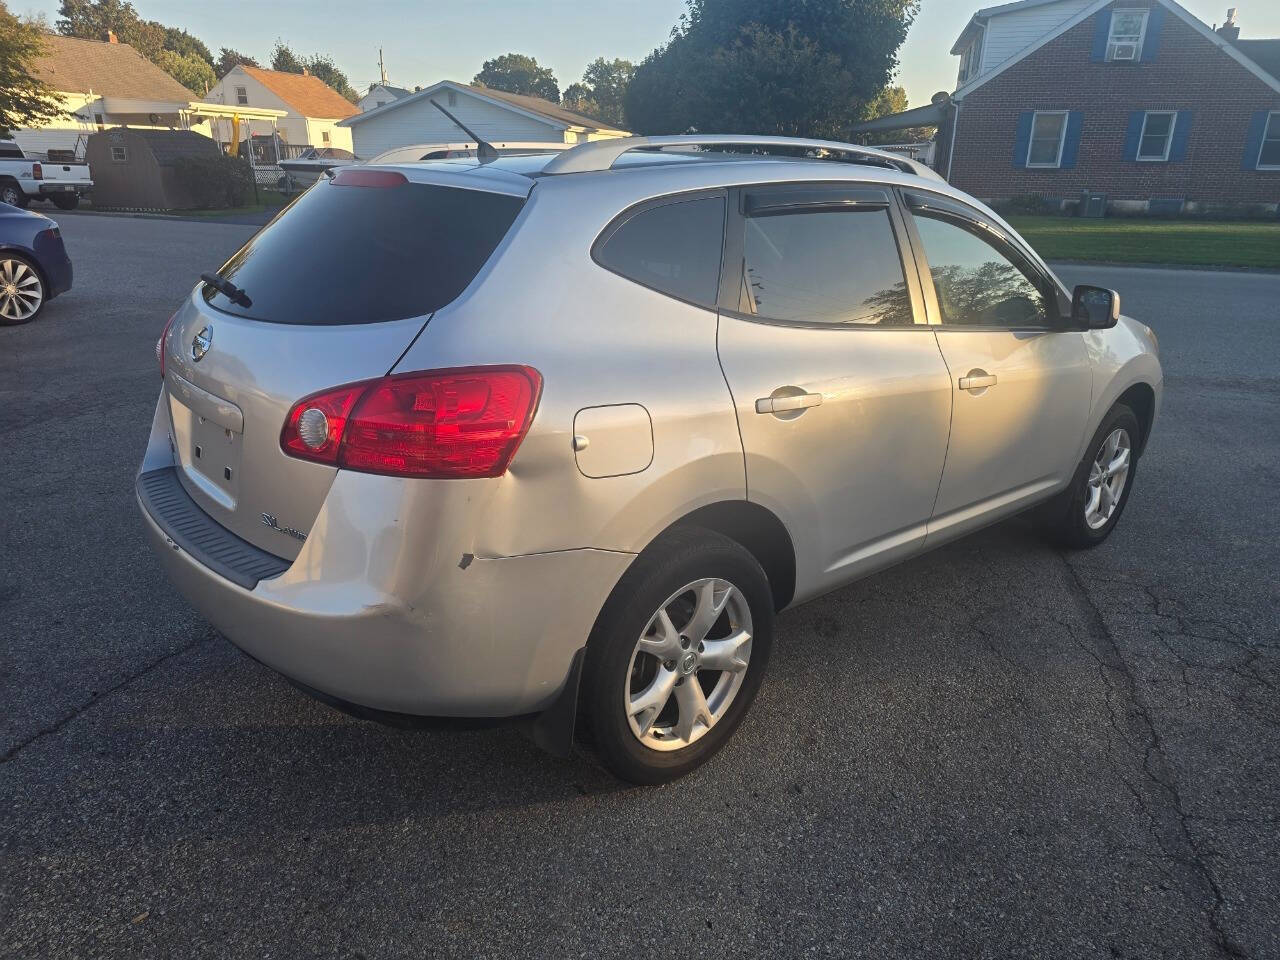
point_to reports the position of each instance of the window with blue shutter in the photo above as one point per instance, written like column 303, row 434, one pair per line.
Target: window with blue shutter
column 1047, row 143
column 1158, row 136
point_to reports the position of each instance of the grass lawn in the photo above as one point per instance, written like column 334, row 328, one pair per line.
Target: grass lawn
column 1183, row 242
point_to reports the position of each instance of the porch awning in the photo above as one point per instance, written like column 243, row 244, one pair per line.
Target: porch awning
column 928, row 116
column 143, row 107
column 202, row 109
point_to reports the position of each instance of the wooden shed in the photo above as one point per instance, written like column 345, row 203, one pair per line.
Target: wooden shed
column 133, row 169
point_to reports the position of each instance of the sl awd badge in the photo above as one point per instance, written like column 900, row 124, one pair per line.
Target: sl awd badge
column 201, row 343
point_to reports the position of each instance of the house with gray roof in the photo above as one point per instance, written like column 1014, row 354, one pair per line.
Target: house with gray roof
column 494, row 115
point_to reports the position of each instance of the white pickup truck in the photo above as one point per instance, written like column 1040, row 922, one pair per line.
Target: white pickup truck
column 23, row 179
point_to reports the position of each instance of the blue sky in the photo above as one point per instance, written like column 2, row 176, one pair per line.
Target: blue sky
column 428, row 41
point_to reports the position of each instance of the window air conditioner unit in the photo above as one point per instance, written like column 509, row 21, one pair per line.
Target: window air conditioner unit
column 1124, row 51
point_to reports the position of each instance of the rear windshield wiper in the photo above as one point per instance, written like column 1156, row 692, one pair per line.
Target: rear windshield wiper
column 227, row 289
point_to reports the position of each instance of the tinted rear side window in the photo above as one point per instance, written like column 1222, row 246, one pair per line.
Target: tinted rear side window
column 365, row 254
column 673, row 248
column 829, row 267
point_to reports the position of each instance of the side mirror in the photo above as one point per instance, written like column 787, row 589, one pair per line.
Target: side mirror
column 1095, row 308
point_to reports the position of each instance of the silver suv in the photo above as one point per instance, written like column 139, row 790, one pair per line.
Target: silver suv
column 554, row 437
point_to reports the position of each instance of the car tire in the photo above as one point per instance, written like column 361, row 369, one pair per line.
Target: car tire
column 16, row 269
column 12, row 194
column 1085, row 513
column 709, row 671
column 69, row 202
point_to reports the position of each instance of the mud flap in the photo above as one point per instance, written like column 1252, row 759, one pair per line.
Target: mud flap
column 552, row 730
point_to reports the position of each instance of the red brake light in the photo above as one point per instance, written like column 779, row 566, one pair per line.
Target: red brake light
column 37, row 172
column 160, row 343
column 368, row 178
column 445, row 424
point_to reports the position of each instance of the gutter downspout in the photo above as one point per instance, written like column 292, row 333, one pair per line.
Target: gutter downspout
column 951, row 153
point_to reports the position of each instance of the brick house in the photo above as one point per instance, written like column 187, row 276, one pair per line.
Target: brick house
column 1135, row 99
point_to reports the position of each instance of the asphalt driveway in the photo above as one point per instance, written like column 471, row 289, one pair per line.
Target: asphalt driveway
column 994, row 750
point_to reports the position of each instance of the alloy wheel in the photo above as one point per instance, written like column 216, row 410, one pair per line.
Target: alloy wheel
column 9, row 194
column 21, row 291
column 688, row 665
column 1108, row 474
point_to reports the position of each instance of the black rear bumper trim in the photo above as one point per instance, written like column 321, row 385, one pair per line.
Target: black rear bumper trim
column 171, row 507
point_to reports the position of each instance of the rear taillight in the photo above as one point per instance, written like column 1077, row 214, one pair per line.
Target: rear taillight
column 445, row 424
column 160, row 344
column 37, row 172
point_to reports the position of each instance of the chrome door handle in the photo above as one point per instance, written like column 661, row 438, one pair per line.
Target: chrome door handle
column 977, row 383
column 788, row 404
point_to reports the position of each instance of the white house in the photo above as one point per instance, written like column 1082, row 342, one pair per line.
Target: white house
column 379, row 95
column 101, row 83
column 494, row 115
column 312, row 108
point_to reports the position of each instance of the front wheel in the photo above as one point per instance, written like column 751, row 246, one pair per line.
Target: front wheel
column 677, row 655
column 22, row 293
column 66, row 201
column 1086, row 512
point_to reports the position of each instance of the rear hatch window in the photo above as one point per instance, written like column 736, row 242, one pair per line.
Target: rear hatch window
column 366, row 247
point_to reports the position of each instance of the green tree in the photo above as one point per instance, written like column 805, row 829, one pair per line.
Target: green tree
column 284, row 59
column 604, row 86
column 804, row 67
column 25, row 100
column 228, row 59
column 91, row 19
column 577, row 97
column 516, row 73
column 192, row 72
column 184, row 44
column 174, row 50
column 324, row 68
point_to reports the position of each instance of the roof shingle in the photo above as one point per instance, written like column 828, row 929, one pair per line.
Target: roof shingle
column 306, row 94
column 73, row 65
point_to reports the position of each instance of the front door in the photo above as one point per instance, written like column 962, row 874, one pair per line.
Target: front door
column 1021, row 382
column 842, row 396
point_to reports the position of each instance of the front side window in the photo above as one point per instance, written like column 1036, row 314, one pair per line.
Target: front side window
column 242, row 96
column 1269, row 159
column 826, row 267
column 977, row 285
column 1157, row 135
column 674, row 248
column 1048, row 133
column 1128, row 27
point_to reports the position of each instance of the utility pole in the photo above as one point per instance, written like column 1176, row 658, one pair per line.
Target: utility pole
column 382, row 68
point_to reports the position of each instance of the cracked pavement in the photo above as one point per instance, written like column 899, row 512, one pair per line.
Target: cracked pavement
column 993, row 750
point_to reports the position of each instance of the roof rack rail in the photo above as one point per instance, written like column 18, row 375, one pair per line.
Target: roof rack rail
column 600, row 155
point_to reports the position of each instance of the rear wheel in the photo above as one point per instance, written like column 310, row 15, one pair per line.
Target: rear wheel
column 66, row 201
column 12, row 194
column 22, row 292
column 677, row 655
column 1086, row 512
